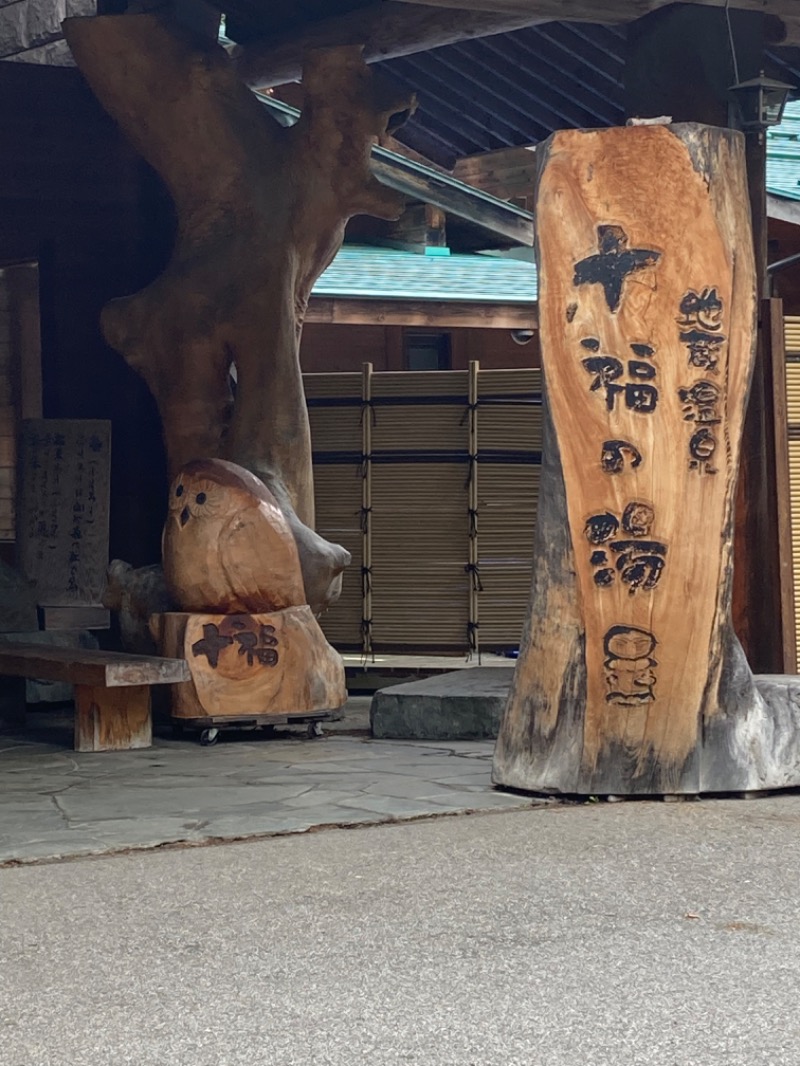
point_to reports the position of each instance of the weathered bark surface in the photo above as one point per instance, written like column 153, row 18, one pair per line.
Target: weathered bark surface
column 261, row 211
column 135, row 595
column 630, row 679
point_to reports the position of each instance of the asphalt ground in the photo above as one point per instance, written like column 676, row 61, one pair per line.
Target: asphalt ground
column 593, row 935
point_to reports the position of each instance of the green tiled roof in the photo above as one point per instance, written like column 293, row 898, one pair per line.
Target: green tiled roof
column 364, row 271
column 783, row 155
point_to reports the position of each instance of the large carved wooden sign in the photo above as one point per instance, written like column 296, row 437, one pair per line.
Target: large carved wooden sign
column 629, row 677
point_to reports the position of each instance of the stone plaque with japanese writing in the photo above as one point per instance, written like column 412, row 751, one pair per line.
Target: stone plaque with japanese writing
column 63, row 508
column 630, row 679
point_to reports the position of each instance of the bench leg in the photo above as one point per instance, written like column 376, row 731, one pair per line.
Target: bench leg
column 112, row 719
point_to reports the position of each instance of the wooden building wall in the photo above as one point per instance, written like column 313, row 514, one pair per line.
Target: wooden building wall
column 76, row 199
column 20, row 382
column 8, row 419
column 341, row 349
column 784, row 241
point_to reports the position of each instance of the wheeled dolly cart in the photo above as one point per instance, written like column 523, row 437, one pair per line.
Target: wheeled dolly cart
column 210, row 728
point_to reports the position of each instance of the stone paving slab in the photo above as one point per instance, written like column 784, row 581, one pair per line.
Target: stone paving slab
column 56, row 803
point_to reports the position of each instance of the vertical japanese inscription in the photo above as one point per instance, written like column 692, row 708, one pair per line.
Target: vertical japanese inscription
column 700, row 321
column 623, row 549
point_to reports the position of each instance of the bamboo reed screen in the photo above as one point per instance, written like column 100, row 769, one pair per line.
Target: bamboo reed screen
column 430, row 479
column 792, row 337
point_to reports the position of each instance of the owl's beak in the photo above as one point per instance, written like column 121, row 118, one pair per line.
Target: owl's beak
column 184, row 516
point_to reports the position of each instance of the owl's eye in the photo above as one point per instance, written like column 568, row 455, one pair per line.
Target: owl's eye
column 200, row 497
column 179, row 490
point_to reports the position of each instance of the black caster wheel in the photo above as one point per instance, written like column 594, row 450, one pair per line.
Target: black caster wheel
column 208, row 737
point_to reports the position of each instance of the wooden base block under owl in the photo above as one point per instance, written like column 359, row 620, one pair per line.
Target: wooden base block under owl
column 251, row 664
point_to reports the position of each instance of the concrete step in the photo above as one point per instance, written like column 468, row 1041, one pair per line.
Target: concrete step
column 462, row 705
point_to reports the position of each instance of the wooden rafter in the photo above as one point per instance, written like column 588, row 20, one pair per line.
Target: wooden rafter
column 612, row 11
column 385, row 30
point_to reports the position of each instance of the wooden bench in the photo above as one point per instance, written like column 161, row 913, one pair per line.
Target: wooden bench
column 112, row 689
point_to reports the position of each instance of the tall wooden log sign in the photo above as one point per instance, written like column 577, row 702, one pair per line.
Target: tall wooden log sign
column 630, row 679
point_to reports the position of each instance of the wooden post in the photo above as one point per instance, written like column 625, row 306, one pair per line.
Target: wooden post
column 366, row 509
column 22, row 280
column 472, row 512
column 630, row 679
column 672, row 70
column 762, row 545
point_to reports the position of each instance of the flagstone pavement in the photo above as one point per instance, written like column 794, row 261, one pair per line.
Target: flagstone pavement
column 58, row 803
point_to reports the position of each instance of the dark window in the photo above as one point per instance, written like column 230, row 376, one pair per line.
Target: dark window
column 427, row 351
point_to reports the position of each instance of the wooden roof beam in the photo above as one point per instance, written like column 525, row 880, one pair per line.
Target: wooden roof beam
column 784, row 13
column 420, row 183
column 385, row 29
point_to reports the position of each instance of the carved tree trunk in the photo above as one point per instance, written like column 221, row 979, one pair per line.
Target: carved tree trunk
column 261, row 212
column 630, row 679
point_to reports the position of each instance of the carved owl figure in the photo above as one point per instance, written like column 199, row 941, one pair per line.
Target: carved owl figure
column 227, row 547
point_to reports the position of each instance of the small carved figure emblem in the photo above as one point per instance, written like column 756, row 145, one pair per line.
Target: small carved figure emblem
column 629, row 666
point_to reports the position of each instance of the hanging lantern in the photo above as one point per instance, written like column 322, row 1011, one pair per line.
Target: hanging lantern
column 759, row 102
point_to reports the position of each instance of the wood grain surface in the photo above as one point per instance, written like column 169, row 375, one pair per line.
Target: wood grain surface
column 116, row 719
column 88, row 667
